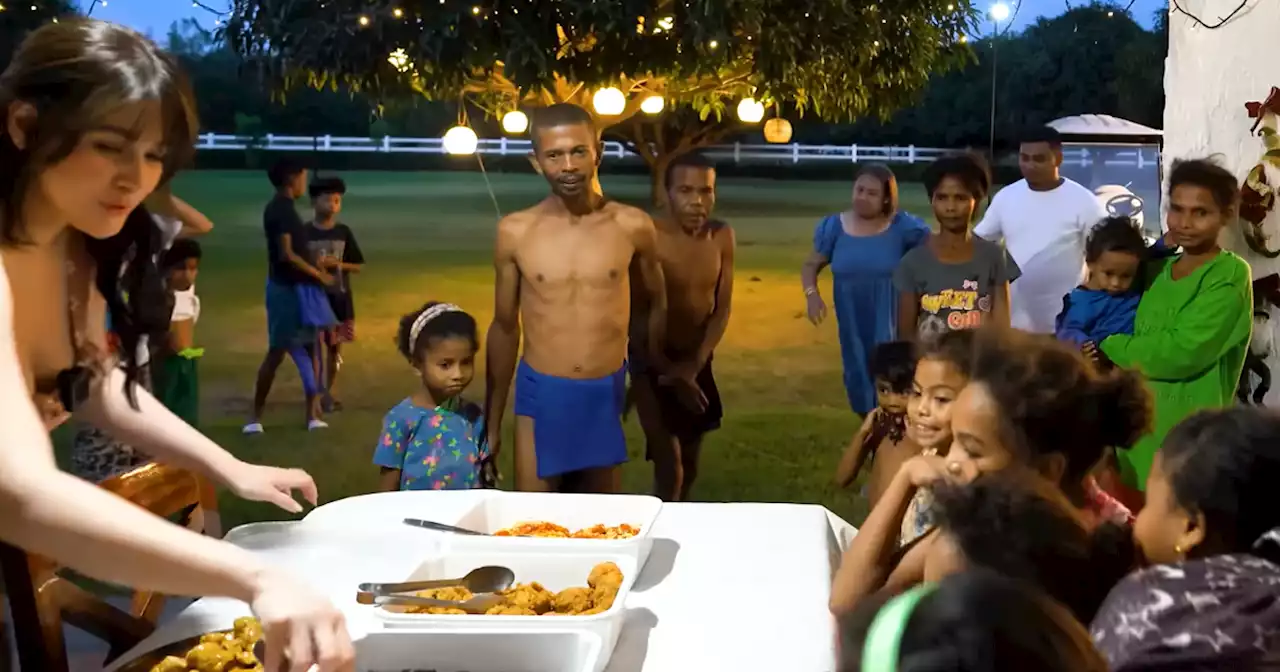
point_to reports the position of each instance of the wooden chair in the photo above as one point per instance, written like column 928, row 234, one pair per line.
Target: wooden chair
column 42, row 599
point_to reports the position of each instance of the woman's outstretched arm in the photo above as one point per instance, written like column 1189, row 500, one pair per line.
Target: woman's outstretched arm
column 56, row 515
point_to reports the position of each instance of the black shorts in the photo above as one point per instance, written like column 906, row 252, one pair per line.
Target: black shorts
column 682, row 422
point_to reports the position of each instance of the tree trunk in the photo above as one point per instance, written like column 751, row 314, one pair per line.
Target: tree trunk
column 658, row 180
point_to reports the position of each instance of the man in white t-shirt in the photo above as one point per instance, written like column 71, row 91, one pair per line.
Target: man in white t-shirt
column 1044, row 220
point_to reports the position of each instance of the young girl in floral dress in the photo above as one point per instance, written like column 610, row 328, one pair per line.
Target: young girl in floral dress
column 435, row 439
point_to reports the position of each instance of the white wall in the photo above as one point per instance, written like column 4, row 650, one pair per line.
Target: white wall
column 1209, row 76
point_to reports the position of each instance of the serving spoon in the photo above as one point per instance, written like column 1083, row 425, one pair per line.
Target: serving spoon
column 488, row 579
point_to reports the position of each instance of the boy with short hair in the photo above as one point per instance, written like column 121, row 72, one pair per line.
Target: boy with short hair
column 333, row 249
column 176, row 379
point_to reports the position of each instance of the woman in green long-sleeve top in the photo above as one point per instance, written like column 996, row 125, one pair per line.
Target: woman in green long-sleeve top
column 1193, row 324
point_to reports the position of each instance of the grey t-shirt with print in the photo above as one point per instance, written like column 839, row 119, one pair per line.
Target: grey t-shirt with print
column 954, row 296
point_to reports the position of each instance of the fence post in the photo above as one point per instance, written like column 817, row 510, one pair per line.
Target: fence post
column 1140, row 158
column 209, row 140
column 386, row 143
column 622, row 151
column 502, row 146
column 853, row 153
column 795, row 152
column 326, row 143
column 911, row 154
column 737, row 152
column 270, row 141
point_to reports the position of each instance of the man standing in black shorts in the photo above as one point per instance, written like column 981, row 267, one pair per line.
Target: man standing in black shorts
column 678, row 408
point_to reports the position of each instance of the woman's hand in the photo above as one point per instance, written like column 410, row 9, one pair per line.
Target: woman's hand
column 51, row 411
column 258, row 483
column 816, row 308
column 300, row 627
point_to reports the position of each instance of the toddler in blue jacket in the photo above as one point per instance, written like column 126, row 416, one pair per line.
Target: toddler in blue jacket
column 1108, row 300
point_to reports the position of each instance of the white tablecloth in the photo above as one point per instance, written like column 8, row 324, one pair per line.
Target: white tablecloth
column 726, row 587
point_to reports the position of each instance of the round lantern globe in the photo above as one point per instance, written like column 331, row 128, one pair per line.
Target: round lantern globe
column 777, row 130
column 609, row 102
column 461, row 140
column 652, row 104
column 515, row 122
column 750, row 111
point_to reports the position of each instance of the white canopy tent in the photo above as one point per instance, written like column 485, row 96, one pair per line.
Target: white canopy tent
column 1104, row 125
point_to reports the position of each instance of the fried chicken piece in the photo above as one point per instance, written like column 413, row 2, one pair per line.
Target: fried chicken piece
column 605, row 574
column 209, row 657
column 452, row 594
column 572, row 601
column 532, row 596
column 510, row 610
column 248, row 630
column 603, row 595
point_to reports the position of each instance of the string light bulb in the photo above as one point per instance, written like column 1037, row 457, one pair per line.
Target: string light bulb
column 750, row 111
column 364, row 21
column 399, row 60
column 398, row 13
column 609, row 102
column 515, row 122
column 475, row 10
column 713, row 44
column 652, row 104
column 460, row 141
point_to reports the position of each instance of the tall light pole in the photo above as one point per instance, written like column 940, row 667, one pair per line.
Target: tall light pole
column 999, row 12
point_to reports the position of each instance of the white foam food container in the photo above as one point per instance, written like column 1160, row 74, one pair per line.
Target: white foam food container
column 502, row 510
column 479, row 651
column 556, row 571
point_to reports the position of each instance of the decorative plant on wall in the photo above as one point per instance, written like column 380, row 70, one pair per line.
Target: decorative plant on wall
column 1259, row 191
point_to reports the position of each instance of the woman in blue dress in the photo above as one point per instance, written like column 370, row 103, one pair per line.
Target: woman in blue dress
column 862, row 246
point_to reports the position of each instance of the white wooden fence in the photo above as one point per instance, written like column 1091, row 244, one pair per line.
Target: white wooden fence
column 1127, row 156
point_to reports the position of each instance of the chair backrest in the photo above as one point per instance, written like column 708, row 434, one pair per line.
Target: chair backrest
column 42, row 599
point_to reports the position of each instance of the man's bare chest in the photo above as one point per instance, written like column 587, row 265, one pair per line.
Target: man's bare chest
column 596, row 255
column 687, row 262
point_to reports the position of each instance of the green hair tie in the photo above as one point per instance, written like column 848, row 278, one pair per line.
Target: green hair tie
column 884, row 638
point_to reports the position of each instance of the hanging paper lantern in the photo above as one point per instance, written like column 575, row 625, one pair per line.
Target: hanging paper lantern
column 515, row 122
column 461, row 140
column 609, row 102
column 652, row 105
column 777, row 130
column 750, row 111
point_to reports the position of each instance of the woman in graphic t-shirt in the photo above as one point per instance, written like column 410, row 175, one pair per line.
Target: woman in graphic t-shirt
column 954, row 280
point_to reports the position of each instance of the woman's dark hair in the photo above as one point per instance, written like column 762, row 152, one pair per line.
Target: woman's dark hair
column 1025, row 529
column 181, row 250
column 284, row 170
column 1115, row 234
column 1053, row 401
column 978, row 621
column 326, row 185
column 1207, row 174
column 1225, row 464
column 446, row 324
column 888, row 183
column 75, row 73
column 894, row 363
column 969, row 169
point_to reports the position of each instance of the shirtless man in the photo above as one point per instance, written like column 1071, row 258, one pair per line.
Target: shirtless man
column 678, row 407
column 563, row 270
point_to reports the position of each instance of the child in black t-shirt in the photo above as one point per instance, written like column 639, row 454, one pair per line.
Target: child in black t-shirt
column 333, row 249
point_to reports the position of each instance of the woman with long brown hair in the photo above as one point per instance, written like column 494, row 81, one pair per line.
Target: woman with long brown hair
column 95, row 118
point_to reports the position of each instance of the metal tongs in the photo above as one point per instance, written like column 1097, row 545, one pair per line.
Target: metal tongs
column 483, row 582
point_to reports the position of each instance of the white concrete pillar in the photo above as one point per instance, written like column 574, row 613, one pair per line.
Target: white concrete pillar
column 1209, row 76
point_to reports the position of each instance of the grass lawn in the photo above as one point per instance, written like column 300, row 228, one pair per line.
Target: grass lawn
column 429, row 236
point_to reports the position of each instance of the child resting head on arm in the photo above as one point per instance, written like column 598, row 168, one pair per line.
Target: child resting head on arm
column 1033, row 407
column 975, row 621
column 435, row 439
column 1211, row 531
